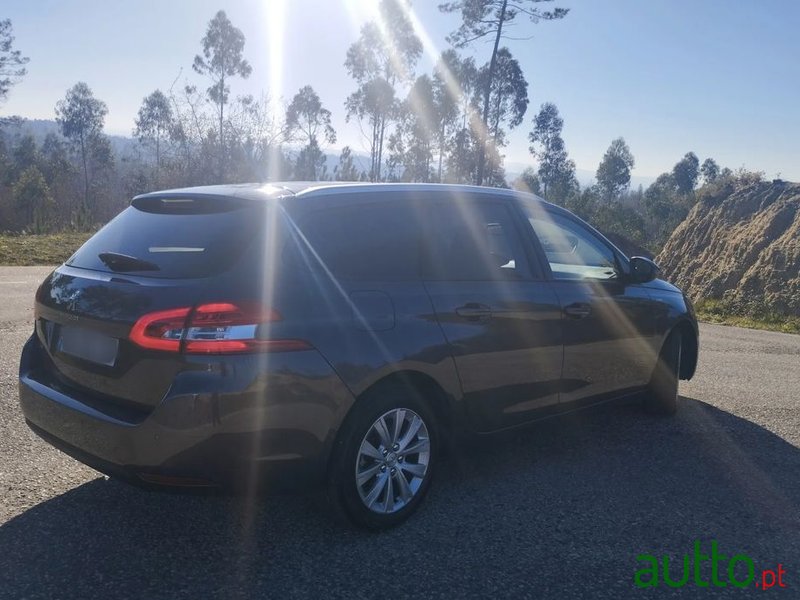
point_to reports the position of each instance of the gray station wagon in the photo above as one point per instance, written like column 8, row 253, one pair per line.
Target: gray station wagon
column 264, row 337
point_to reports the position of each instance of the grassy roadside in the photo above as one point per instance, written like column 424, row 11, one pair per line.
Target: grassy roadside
column 714, row 311
column 46, row 249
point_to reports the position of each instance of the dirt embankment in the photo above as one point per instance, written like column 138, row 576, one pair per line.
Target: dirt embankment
column 741, row 245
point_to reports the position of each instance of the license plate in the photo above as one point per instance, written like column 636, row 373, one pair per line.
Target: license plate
column 88, row 345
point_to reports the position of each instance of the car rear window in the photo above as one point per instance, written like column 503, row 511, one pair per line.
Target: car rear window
column 182, row 239
column 371, row 242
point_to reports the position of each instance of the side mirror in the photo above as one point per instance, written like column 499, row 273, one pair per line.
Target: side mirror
column 643, row 269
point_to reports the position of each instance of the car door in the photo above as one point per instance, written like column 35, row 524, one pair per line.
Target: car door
column 498, row 314
column 609, row 323
column 367, row 309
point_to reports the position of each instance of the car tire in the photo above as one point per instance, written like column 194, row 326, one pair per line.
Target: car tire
column 379, row 474
column 661, row 396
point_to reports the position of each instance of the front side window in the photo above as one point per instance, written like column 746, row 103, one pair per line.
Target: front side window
column 473, row 242
column 572, row 250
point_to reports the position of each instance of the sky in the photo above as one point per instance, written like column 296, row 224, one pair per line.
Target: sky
column 716, row 77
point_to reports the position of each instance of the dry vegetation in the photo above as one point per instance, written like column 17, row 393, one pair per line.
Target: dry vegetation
column 49, row 249
column 738, row 254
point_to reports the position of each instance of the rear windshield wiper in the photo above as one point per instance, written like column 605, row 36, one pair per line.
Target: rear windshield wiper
column 122, row 262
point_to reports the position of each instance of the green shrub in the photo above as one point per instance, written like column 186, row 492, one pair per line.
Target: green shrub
column 754, row 314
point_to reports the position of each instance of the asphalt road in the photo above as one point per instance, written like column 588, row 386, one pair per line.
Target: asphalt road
column 560, row 510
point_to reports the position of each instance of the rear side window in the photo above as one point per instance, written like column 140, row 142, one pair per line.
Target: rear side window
column 172, row 242
column 474, row 241
column 366, row 242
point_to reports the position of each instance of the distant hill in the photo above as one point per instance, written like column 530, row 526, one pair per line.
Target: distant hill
column 124, row 145
column 585, row 177
column 40, row 128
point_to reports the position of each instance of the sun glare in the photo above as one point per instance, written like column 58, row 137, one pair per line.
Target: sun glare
column 275, row 13
column 450, row 80
column 361, row 11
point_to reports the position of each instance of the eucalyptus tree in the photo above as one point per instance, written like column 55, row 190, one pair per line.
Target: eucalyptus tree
column 346, row 169
column 508, row 102
column 709, row 170
column 257, row 134
column 154, row 121
column 310, row 163
column 12, row 63
column 686, row 172
column 223, row 46
column 412, row 144
column 556, row 170
column 383, row 57
column 60, row 173
column 528, row 181
column 461, row 162
column 25, row 154
column 482, row 19
column 614, row 172
column 460, row 75
column 81, row 116
column 306, row 121
column 452, row 84
column 34, row 199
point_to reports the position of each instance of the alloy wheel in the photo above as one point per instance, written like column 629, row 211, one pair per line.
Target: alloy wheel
column 393, row 460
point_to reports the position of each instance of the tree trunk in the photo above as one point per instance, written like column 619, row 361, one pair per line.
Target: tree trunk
column 221, row 135
column 496, row 125
column 486, row 95
column 441, row 151
column 85, row 176
column 427, row 164
column 380, row 145
column 489, row 168
column 373, row 150
column 221, row 147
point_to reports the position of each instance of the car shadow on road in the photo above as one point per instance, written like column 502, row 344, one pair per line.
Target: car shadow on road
column 560, row 509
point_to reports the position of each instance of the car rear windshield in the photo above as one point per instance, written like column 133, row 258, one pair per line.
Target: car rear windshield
column 172, row 239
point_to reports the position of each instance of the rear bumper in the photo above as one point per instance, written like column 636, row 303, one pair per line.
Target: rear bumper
column 264, row 425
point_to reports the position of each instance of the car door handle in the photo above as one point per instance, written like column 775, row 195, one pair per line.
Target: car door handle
column 474, row 311
column 578, row 310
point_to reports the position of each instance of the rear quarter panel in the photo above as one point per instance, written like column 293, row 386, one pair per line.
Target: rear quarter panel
column 364, row 343
column 366, row 329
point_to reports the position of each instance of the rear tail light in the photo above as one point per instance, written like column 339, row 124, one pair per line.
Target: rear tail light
column 160, row 330
column 216, row 328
